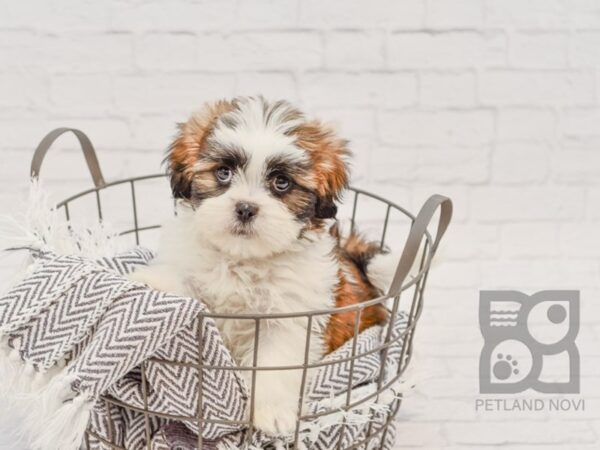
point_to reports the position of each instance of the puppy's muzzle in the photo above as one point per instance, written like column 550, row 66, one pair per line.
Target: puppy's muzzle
column 246, row 212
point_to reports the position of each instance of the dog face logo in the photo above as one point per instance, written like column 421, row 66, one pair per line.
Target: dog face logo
column 529, row 342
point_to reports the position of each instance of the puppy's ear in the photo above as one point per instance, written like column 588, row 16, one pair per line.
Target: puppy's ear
column 186, row 148
column 329, row 155
column 181, row 185
column 325, row 209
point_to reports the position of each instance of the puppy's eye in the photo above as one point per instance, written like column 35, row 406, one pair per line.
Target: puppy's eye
column 281, row 183
column 224, row 174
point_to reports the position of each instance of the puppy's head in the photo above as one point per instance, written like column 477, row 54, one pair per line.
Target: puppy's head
column 259, row 175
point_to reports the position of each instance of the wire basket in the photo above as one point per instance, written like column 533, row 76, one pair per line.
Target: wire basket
column 405, row 296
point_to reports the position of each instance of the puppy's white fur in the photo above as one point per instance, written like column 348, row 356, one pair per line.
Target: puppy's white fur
column 299, row 279
column 270, row 270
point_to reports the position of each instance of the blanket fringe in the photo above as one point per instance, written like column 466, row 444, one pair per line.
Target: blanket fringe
column 50, row 415
column 42, row 228
column 10, row 370
column 21, row 384
column 60, row 416
column 66, row 428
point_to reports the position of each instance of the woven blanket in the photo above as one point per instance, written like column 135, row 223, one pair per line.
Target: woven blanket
column 80, row 341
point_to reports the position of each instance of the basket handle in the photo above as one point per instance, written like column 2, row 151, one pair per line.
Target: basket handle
column 86, row 146
column 415, row 236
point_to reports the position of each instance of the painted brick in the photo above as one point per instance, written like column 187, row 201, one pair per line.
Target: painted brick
column 448, row 89
column 576, row 166
column 529, row 240
column 520, row 163
column 353, row 13
column 166, row 52
column 85, row 93
column 173, row 92
column 88, row 52
column 580, row 123
column 22, row 90
column 454, row 49
column 584, row 48
column 354, row 50
column 455, row 14
column 472, row 127
column 515, row 204
column 526, row 124
column 526, row 13
column 294, row 50
column 579, row 240
column 273, row 85
column 257, row 14
column 326, row 89
column 539, row 49
column 523, row 88
column 172, row 15
column 453, row 165
column 527, row 433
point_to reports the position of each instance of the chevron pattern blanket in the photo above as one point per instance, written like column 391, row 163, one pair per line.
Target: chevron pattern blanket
column 80, row 341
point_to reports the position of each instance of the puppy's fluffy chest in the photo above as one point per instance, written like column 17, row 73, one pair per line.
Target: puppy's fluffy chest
column 295, row 281
column 300, row 279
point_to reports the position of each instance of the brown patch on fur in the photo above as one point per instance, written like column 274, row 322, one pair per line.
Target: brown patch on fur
column 300, row 202
column 354, row 287
column 203, row 182
column 327, row 153
column 185, row 150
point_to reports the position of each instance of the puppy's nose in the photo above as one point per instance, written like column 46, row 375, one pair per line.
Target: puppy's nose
column 245, row 211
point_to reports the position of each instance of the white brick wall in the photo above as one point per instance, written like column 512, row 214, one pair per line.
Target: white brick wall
column 493, row 102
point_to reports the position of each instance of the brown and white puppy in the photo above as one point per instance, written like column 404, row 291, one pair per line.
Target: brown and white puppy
column 258, row 185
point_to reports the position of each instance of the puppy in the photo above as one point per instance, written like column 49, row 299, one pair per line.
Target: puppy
column 257, row 185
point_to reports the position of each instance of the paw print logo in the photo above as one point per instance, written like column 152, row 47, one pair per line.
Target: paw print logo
column 505, row 367
column 523, row 332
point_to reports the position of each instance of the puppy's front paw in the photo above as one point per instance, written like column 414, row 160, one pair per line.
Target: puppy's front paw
column 275, row 419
